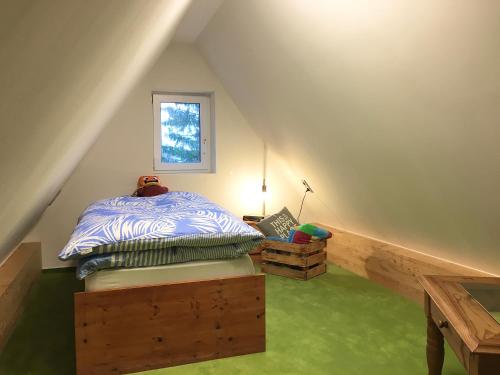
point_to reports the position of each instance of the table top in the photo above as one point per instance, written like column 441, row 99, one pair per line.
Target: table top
column 488, row 295
column 471, row 305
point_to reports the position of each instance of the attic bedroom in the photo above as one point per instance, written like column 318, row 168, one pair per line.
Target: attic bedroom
column 249, row 187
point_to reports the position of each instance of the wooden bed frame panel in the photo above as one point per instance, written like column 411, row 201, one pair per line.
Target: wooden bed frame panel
column 141, row 328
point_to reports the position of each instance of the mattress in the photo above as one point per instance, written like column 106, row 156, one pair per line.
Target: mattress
column 200, row 270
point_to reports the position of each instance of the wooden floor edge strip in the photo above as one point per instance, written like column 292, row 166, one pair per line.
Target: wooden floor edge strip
column 396, row 267
column 18, row 272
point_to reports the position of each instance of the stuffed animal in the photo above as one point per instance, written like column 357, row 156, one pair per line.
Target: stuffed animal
column 306, row 232
column 149, row 186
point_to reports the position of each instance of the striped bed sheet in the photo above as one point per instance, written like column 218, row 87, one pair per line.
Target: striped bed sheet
column 159, row 257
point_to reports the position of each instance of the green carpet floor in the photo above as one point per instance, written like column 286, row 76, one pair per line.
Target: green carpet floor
column 335, row 324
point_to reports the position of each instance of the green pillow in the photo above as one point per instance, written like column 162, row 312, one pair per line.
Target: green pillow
column 278, row 225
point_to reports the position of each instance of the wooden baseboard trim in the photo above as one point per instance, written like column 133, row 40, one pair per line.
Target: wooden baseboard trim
column 394, row 267
column 17, row 274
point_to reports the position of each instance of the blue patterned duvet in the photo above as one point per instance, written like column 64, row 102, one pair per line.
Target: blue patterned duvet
column 168, row 228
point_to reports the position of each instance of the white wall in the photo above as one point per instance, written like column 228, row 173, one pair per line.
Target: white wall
column 389, row 108
column 124, row 151
column 65, row 65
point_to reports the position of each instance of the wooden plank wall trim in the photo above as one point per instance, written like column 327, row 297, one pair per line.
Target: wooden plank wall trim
column 17, row 274
column 395, row 267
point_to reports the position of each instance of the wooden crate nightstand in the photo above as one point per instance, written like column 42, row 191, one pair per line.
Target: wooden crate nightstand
column 297, row 261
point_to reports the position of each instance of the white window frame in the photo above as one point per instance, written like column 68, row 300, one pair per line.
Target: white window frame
column 206, row 124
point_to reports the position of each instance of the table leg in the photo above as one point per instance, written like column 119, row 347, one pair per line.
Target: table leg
column 435, row 348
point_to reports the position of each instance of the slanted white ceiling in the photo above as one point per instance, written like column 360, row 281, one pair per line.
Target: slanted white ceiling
column 389, row 108
column 65, row 65
column 195, row 19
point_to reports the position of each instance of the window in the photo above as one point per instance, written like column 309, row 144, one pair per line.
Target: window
column 182, row 132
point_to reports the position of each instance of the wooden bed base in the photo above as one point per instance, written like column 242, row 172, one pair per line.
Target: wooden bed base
column 141, row 328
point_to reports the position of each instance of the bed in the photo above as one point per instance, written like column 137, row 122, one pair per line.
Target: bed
column 168, row 282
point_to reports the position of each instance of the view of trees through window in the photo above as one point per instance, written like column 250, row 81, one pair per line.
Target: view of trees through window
column 180, row 132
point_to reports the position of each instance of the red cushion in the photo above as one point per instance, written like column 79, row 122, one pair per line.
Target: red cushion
column 301, row 237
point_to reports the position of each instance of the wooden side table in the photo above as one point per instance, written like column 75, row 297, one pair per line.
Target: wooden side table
column 255, row 254
column 465, row 311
